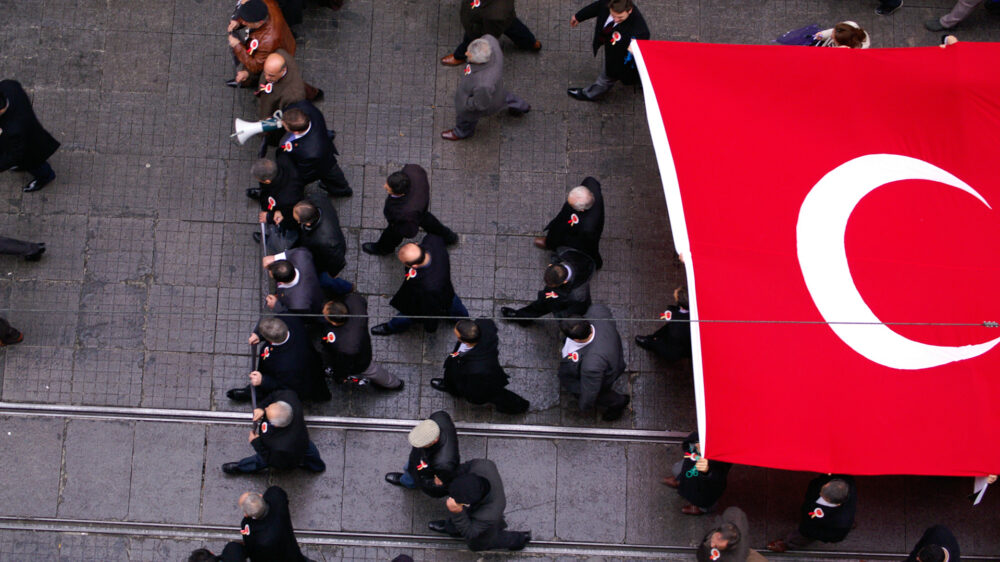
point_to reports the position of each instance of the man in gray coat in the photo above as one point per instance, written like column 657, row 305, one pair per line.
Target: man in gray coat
column 477, row 502
column 297, row 285
column 480, row 89
column 592, row 361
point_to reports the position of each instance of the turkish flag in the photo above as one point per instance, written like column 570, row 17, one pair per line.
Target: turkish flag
column 839, row 215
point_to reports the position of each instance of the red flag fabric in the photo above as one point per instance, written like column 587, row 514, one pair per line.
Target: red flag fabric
column 839, row 215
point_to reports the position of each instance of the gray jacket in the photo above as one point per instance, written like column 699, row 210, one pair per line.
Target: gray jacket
column 598, row 364
column 306, row 296
column 480, row 522
column 480, row 89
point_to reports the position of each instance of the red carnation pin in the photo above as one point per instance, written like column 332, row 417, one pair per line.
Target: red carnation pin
column 453, row 354
column 253, row 47
column 615, row 37
column 330, row 337
column 271, row 203
column 666, row 315
column 266, row 353
column 818, row 514
column 573, row 220
column 422, row 465
column 245, row 530
column 287, row 147
column 474, row 3
column 411, row 273
column 263, row 427
column 468, row 69
column 574, row 357
column 552, row 295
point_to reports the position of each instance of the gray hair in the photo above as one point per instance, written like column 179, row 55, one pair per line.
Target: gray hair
column 480, row 51
column 264, row 170
column 253, row 505
column 280, row 414
column 273, row 329
column 580, row 198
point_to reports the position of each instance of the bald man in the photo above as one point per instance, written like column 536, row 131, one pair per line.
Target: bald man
column 580, row 222
column 281, row 85
column 426, row 288
column 281, row 440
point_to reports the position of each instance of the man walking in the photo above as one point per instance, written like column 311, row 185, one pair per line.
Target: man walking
column 493, row 17
column 567, row 288
column 405, row 209
column 827, row 513
column 434, row 457
column 592, row 361
column 310, row 145
column 579, row 223
column 280, row 439
column 267, row 527
column 617, row 23
column 24, row 143
column 346, row 345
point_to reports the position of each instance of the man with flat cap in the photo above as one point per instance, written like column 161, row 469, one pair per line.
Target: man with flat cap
column 827, row 513
column 567, row 288
column 280, row 438
column 472, row 370
column 937, row 544
column 405, row 209
column 592, row 361
column 426, row 288
column 286, row 361
column 24, row 143
column 256, row 30
column 433, row 459
column 346, row 345
column 267, row 530
column 698, row 480
column 477, row 501
column 580, row 222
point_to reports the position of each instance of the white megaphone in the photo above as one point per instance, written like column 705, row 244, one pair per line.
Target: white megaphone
column 247, row 129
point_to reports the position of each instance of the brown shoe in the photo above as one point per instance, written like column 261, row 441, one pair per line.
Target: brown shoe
column 692, row 510
column 450, row 60
column 537, row 46
column 540, row 242
column 450, row 135
column 777, row 546
column 671, row 481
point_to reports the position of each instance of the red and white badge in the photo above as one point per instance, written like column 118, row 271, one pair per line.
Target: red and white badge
column 818, row 514
column 574, row 357
column 266, row 353
column 715, row 554
column 330, row 337
column 552, row 295
column 287, row 147
column 573, row 220
column 411, row 273
column 615, row 37
column 692, row 456
column 266, row 88
column 245, row 530
column 468, row 69
column 666, row 315
column 271, row 203
column 253, row 47
column 422, row 465
column 453, row 354
column 475, row 4
column 263, row 427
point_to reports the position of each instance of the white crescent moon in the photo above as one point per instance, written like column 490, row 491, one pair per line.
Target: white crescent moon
column 823, row 258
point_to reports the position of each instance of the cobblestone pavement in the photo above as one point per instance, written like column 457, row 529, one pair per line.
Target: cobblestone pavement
column 151, row 281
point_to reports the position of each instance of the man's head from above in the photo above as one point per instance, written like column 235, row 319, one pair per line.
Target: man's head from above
column 335, row 313
column 253, row 12
column 279, row 413
column 835, row 491
column 580, row 199
column 273, row 329
column 397, row 183
column 467, row 331
column 412, row 255
column 274, row 67
column 282, row 271
column 726, row 536
column 932, row 553
column 295, row 120
column 479, row 51
column 253, row 505
column 264, row 170
column 305, row 213
column 555, row 275
column 576, row 329
column 620, row 9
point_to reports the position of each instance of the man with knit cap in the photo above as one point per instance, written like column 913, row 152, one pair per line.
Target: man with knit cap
column 256, row 30
column 477, row 502
column 433, row 459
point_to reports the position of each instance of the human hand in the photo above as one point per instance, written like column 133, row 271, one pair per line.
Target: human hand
column 242, row 76
column 278, row 217
column 258, row 414
column 453, row 506
column 948, row 40
column 573, row 21
column 233, row 24
column 701, row 464
column 233, row 42
column 256, row 378
column 268, row 260
column 262, row 217
column 438, row 482
column 253, row 435
column 254, row 339
column 270, row 301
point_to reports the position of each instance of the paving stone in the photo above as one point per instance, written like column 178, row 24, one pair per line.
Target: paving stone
column 528, row 201
column 122, row 178
column 236, row 319
column 652, row 516
column 27, row 545
column 155, row 549
column 177, row 380
column 98, row 458
column 29, row 445
column 528, row 470
column 187, row 253
column 119, row 249
column 596, row 469
column 112, row 315
column 45, row 311
column 38, row 374
column 107, row 377
column 469, row 199
column 400, row 133
column 135, row 60
column 166, row 463
column 241, row 260
column 93, row 549
column 196, row 188
column 370, row 454
column 481, row 152
column 315, row 499
column 64, row 244
column 229, row 371
column 77, row 129
column 72, row 58
column 221, row 492
column 181, row 318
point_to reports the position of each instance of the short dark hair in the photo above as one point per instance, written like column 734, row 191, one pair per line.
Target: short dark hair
column 335, row 312
column 620, row 5
column 468, row 331
column 835, row 491
column 202, row 555
column 296, row 119
column 264, row 169
column 420, row 258
column 575, row 328
column 931, row 553
column 730, row 533
column 282, row 270
column 398, row 182
column 682, row 297
column 555, row 275
column 308, row 213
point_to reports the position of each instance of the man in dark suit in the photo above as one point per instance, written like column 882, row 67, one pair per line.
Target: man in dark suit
column 8, row 334
column 698, row 480
column 426, row 288
column 279, row 188
column 267, row 527
column 32, row 251
column 617, row 23
column 827, row 513
column 346, row 346
column 493, row 17
column 434, row 457
column 310, row 145
column 477, row 502
column 286, row 361
column 580, row 222
column 405, row 209
column 24, row 143
column 673, row 340
column 592, row 361
column 937, row 544
column 298, row 288
column 320, row 233
column 472, row 370
column 280, row 438
column 567, row 288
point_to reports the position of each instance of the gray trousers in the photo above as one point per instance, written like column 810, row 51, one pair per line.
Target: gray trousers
column 380, row 377
column 961, row 11
column 464, row 127
column 600, row 86
column 17, row 247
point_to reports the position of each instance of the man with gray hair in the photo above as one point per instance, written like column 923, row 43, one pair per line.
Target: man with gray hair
column 267, row 527
column 287, row 360
column 279, row 437
column 279, row 189
column 480, row 90
column 579, row 223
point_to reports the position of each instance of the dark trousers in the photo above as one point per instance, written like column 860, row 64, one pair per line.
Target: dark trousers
column 391, row 236
column 610, row 399
column 889, row 4
column 311, row 462
column 667, row 348
column 334, row 182
column 8, row 334
column 494, row 538
column 16, row 247
column 519, row 33
column 402, row 323
column 43, row 174
column 508, row 402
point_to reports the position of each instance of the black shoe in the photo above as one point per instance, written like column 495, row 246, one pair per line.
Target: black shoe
column 438, row 384
column 395, row 388
column 645, row 342
column 372, row 248
column 577, row 93
column 238, row 394
column 382, row 329
column 525, row 539
column 934, row 25
column 232, row 84
column 319, row 95
column 437, row 526
column 517, row 112
column 884, row 11
column 231, row 468
column 393, row 478
column 35, row 185
column 37, row 254
column 254, row 193
column 452, row 238
column 508, row 312
column 613, row 414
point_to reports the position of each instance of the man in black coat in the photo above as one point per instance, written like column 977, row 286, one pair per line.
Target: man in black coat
column 472, row 370
column 617, row 23
column 310, row 146
column 827, row 513
column 280, row 438
column 673, row 340
column 567, row 288
column 698, row 480
column 580, row 222
column 297, row 287
column 426, row 288
column 937, row 544
column 493, row 17
column 320, row 233
column 286, row 361
column 729, row 541
column 232, row 552
column 592, row 361
column 279, row 188
column 346, row 346
column 409, row 194
column 32, row 251
column 477, row 502
column 433, row 459
column 267, row 527
column 24, row 143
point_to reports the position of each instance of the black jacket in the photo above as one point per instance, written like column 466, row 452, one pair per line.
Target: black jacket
column 938, row 535
column 584, row 231
column 292, row 365
column 427, row 290
column 618, row 62
column 324, row 239
column 673, row 339
column 282, row 447
column 440, row 459
column 313, row 153
column 702, row 489
column 476, row 374
column 284, row 191
column 736, row 551
column 347, row 349
column 572, row 297
column 480, row 522
column 486, row 16
column 835, row 522
column 23, row 140
column 406, row 212
column 271, row 537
